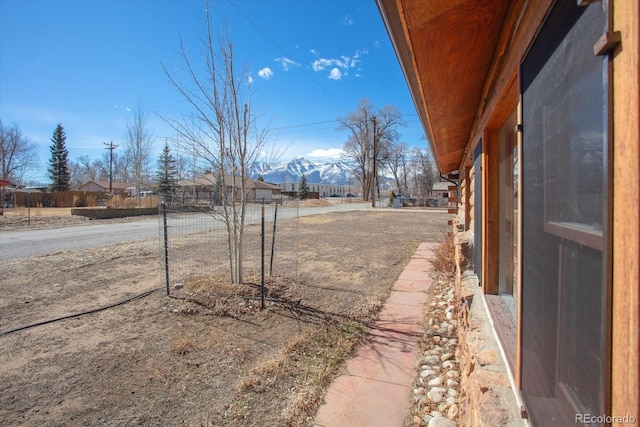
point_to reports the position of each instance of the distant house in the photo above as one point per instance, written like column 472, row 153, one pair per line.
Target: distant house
column 103, row 186
column 260, row 191
column 205, row 189
column 440, row 194
column 440, row 190
column 322, row 190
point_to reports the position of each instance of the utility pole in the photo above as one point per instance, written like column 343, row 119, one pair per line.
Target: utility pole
column 110, row 146
column 375, row 154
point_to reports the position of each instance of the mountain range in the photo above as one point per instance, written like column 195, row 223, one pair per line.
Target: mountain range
column 334, row 172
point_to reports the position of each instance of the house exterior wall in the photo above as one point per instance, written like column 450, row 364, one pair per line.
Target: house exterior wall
column 116, row 187
column 480, row 179
column 623, row 379
column 262, row 194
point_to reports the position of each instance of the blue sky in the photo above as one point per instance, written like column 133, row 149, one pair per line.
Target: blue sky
column 88, row 64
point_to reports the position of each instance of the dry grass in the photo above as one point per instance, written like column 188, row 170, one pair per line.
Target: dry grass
column 315, row 203
column 37, row 211
column 313, row 358
column 307, row 363
column 444, row 261
column 91, row 200
column 183, row 345
column 317, row 219
column 201, row 356
column 214, row 295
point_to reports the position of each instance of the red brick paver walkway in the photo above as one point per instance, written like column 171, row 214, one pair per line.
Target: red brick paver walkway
column 376, row 390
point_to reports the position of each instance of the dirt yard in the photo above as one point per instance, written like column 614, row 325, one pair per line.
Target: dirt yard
column 208, row 356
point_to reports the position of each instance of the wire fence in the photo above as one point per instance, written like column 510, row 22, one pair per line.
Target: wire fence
column 194, row 242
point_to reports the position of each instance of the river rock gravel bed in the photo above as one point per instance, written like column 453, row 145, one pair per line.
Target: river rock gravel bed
column 436, row 389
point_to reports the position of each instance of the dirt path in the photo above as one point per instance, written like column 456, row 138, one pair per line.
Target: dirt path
column 168, row 361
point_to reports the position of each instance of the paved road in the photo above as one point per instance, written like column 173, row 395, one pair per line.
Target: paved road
column 29, row 243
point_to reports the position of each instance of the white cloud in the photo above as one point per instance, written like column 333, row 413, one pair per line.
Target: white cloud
column 128, row 109
column 339, row 66
column 249, row 79
column 329, row 153
column 314, row 52
column 321, row 64
column 346, row 21
column 285, row 63
column 359, row 53
column 377, row 43
column 265, row 73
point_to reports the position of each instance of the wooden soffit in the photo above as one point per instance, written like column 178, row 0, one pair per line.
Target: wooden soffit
column 445, row 48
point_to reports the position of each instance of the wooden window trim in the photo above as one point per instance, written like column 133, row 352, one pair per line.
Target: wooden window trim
column 626, row 207
column 575, row 233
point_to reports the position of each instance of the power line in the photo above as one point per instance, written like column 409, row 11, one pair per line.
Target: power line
column 306, row 124
column 257, row 27
column 336, row 121
column 324, row 130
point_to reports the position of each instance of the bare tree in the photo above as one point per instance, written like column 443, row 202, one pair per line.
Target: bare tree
column 424, row 172
column 397, row 164
column 120, row 166
column 17, row 153
column 221, row 129
column 138, row 142
column 76, row 174
column 370, row 135
column 85, row 169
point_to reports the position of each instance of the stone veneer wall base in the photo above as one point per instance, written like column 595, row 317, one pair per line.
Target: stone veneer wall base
column 487, row 395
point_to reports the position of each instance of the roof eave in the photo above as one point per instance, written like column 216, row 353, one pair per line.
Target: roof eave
column 395, row 25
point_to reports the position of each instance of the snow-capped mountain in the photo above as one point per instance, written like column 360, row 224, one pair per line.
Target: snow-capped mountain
column 336, row 172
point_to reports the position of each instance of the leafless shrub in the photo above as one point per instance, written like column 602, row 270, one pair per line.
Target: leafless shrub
column 444, row 260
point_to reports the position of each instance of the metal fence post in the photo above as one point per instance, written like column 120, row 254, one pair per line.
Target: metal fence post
column 166, row 245
column 262, row 260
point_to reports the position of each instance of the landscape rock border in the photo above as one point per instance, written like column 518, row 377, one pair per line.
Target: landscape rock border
column 436, row 390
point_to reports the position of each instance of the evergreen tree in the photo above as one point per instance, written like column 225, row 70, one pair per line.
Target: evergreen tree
column 303, row 188
column 167, row 173
column 59, row 161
